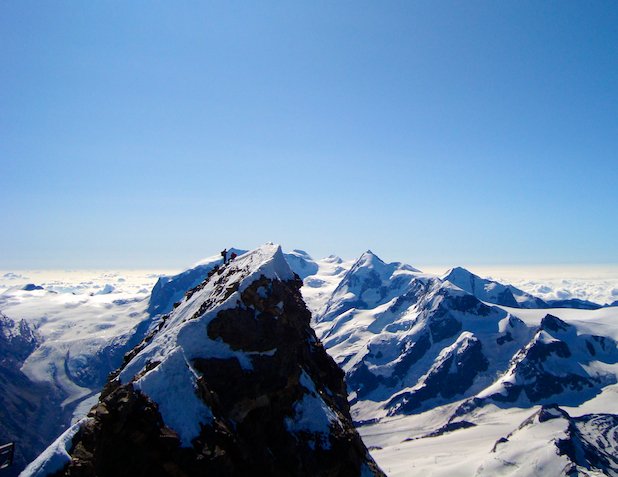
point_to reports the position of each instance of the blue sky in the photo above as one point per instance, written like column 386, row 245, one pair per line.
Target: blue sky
column 150, row 134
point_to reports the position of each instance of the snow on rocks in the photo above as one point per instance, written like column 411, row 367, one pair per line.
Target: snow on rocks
column 232, row 381
column 551, row 442
column 492, row 291
column 557, row 365
column 56, row 456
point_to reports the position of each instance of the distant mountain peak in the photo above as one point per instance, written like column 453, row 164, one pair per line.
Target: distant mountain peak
column 554, row 324
column 460, row 269
column 491, row 291
column 368, row 257
column 17, row 339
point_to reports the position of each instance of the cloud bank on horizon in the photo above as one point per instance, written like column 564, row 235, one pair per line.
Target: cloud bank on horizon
column 598, row 284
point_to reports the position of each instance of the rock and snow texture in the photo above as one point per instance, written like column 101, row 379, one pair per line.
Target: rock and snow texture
column 410, row 341
column 558, row 365
column 17, row 340
column 301, row 263
column 56, row 456
column 507, row 295
column 28, row 414
column 552, row 443
column 437, row 374
column 369, row 283
column 169, row 289
column 427, row 360
column 81, row 336
column 232, row 382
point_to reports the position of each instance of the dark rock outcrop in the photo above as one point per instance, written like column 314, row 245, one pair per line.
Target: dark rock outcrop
column 31, row 287
column 449, row 427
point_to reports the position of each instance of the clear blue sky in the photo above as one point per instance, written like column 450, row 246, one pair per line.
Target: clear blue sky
column 151, row 134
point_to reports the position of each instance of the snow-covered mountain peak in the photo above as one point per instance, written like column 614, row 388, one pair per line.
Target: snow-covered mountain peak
column 370, row 282
column 369, row 264
column 222, row 290
column 232, row 382
column 301, row 263
column 368, row 258
column 459, row 273
column 267, row 260
column 483, row 289
column 557, row 365
column 333, row 259
column 491, row 291
column 17, row 339
column 558, row 328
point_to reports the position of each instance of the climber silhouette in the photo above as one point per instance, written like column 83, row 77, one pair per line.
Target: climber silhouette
column 224, row 255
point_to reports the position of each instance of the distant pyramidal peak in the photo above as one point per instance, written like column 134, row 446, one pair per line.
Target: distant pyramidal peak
column 371, row 260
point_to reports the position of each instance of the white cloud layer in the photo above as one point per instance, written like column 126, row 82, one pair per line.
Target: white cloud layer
column 598, row 283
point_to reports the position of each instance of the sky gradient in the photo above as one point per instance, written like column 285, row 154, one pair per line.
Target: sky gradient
column 151, row 134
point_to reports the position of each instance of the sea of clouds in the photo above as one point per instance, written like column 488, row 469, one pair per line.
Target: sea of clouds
column 597, row 283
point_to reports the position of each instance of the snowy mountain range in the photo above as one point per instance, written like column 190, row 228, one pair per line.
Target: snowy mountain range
column 431, row 362
column 232, row 382
column 439, row 355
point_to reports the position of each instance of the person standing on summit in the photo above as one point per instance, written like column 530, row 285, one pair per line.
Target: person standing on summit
column 224, row 255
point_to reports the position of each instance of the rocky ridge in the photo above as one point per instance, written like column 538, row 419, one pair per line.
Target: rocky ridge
column 233, row 382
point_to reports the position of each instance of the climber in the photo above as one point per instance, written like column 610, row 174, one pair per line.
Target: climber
column 233, row 256
column 224, row 255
